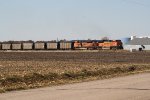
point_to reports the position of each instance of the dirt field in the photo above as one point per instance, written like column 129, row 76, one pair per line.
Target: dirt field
column 101, row 56
column 29, row 62
column 22, row 64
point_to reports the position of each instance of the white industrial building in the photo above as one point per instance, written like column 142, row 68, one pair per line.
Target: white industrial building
column 137, row 43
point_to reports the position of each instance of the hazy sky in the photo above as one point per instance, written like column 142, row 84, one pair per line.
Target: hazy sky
column 73, row 19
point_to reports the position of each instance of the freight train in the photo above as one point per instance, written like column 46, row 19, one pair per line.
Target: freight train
column 62, row 45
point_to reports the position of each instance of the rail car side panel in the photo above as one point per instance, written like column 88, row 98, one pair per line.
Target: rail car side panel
column 28, row 46
column 66, row 45
column 39, row 46
column 0, row 46
column 16, row 46
column 6, row 46
column 52, row 45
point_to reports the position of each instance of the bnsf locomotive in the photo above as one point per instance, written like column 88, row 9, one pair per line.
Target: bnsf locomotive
column 61, row 45
column 98, row 44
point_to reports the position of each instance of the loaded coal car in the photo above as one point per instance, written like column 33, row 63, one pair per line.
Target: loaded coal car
column 65, row 45
column 0, row 45
column 28, row 45
column 6, row 45
column 52, row 45
column 16, row 45
column 39, row 45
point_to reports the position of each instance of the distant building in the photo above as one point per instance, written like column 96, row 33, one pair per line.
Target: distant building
column 138, row 43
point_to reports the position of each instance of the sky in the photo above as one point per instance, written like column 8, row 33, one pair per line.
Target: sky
column 73, row 19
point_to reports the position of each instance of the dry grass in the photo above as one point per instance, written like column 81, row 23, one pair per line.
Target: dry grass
column 31, row 70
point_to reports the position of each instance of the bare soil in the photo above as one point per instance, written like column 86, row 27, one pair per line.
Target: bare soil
column 23, row 64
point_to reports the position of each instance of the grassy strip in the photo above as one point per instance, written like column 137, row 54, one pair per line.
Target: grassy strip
column 40, row 80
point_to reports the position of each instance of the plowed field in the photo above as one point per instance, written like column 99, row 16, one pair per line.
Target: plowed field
column 42, row 62
column 22, row 64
